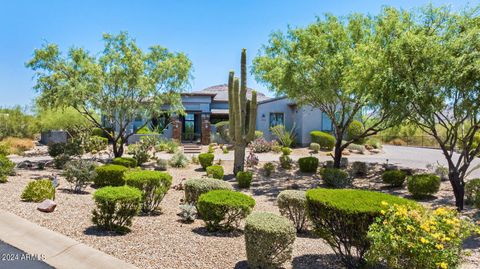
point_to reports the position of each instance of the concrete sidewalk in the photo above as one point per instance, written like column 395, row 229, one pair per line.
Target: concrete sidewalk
column 55, row 249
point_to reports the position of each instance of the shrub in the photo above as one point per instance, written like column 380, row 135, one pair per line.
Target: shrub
column 325, row 140
column 224, row 209
column 268, row 239
column 38, row 191
column 260, row 145
column 116, row 207
column 211, row 149
column 354, row 130
column 412, row 237
column 472, row 192
column 6, row 168
column 423, row 185
column 315, row 147
column 286, row 162
column 252, row 160
column 188, row 212
column 153, row 184
column 97, row 132
column 293, row 205
column 374, row 143
column 15, row 145
column 72, row 148
column 335, row 178
column 215, row 171
column 308, row 164
column 356, row 147
column 79, row 173
column 286, row 151
column 276, row 148
column 144, row 130
column 342, row 217
column 222, row 130
column 285, row 138
column 140, row 152
column 110, row 175
column 55, row 149
column 394, row 178
column 206, row 159
column 179, row 160
column 398, row 142
column 125, row 161
column 96, row 144
column 162, row 165
column 258, row 134
column 195, row 187
column 359, row 169
column 61, row 160
column 268, row 168
column 4, row 149
column 244, row 179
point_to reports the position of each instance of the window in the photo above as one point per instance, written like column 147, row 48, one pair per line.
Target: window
column 326, row 123
column 276, row 119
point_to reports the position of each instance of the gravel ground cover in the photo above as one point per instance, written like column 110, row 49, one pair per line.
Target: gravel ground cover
column 163, row 241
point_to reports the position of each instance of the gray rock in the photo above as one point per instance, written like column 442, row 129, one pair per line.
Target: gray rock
column 47, row 206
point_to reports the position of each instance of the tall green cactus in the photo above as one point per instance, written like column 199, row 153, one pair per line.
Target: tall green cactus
column 243, row 114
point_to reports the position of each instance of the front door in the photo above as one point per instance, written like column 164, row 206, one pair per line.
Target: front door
column 191, row 127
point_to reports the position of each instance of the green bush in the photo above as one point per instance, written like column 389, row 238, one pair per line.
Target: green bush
column 258, row 134
column 153, row 184
column 359, row 169
column 116, row 207
column 335, row 178
column 215, row 171
column 342, row 217
column 125, row 161
column 423, row 185
column 179, row 160
column 72, row 148
column 315, row 147
column 206, row 159
column 110, row 175
column 244, row 179
column 162, row 165
column 61, row 160
column 394, row 178
column 354, row 130
column 308, row 164
column 293, row 205
column 97, row 132
column 286, row 151
column 79, row 173
column 268, row 239
column 55, row 149
column 268, row 168
column 374, row 143
column 96, row 144
column 286, row 162
column 472, row 192
column 140, row 152
column 38, row 191
column 224, row 209
column 195, row 187
column 325, row 140
column 6, row 168
column 144, row 130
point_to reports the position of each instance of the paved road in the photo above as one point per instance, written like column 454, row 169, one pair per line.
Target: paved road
column 13, row 258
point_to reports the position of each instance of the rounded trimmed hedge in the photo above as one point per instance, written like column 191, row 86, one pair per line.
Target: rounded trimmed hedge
column 354, row 130
column 293, row 205
column 394, row 178
column 359, row 169
column 196, row 187
column 125, row 161
column 472, row 192
column 335, row 178
column 315, row 147
column 38, row 191
column 422, row 185
column 206, row 159
column 342, row 217
column 222, row 210
column 110, row 175
column 244, row 179
column 325, row 140
column 308, row 164
column 215, row 171
column 116, row 207
column 268, row 240
column 153, row 184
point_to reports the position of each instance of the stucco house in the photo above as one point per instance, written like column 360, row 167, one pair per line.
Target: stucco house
column 206, row 107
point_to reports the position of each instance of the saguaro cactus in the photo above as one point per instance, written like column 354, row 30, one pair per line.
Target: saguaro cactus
column 243, row 114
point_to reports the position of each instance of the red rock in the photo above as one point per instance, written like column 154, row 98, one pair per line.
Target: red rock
column 47, row 206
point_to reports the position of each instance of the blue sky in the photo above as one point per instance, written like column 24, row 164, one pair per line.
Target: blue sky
column 211, row 33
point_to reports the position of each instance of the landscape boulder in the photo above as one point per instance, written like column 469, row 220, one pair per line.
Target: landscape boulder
column 47, row 206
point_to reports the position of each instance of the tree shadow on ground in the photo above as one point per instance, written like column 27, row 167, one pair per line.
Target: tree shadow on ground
column 473, row 242
column 95, row 231
column 316, row 261
column 204, row 232
column 69, row 191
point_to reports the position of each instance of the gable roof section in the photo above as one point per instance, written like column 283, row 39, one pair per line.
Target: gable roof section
column 220, row 93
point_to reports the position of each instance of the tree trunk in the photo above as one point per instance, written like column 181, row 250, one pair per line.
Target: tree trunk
column 458, row 189
column 118, row 149
column 239, row 160
column 337, row 157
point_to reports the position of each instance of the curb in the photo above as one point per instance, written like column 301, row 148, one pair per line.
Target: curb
column 56, row 249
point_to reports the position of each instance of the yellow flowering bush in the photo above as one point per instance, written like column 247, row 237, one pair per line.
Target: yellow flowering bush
column 406, row 236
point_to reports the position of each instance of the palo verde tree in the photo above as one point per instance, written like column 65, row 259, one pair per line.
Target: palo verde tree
column 242, row 112
column 434, row 55
column 334, row 65
column 120, row 84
